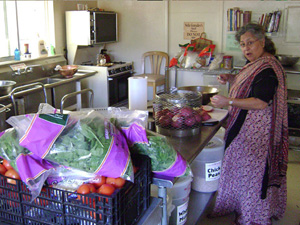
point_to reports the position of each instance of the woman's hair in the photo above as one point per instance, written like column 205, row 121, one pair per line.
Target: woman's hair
column 259, row 32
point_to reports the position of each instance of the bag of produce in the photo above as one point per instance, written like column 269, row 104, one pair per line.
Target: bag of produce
column 165, row 160
column 81, row 140
column 30, row 168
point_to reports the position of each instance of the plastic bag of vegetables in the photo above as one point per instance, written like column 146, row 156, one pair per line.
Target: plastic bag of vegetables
column 81, row 140
column 165, row 160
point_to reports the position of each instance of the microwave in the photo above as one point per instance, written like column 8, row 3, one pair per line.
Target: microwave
column 91, row 28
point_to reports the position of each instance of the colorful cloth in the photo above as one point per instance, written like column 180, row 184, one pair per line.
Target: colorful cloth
column 261, row 143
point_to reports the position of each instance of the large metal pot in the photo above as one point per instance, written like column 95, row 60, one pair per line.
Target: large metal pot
column 288, row 60
column 6, row 86
column 3, row 110
column 206, row 91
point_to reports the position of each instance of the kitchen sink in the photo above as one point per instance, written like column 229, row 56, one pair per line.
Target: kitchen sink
column 50, row 80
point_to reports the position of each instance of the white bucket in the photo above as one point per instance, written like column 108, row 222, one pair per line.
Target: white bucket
column 181, row 188
column 206, row 167
column 180, row 212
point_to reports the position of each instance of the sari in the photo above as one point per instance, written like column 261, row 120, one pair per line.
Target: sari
column 253, row 175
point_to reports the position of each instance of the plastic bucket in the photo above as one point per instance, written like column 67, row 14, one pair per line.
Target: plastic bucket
column 207, row 166
column 180, row 212
column 181, row 188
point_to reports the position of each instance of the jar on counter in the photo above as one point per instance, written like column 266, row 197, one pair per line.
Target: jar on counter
column 227, row 62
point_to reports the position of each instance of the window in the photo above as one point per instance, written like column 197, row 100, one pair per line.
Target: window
column 24, row 22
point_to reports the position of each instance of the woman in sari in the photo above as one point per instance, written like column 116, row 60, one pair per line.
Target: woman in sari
column 253, row 175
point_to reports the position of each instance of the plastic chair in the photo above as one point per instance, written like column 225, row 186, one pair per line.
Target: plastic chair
column 158, row 74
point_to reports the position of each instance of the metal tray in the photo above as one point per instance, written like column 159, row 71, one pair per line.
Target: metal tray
column 178, row 133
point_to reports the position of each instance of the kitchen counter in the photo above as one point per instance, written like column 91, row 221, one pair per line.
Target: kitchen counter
column 81, row 74
column 288, row 69
column 189, row 147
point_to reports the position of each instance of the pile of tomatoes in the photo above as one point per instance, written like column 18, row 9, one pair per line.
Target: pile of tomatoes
column 102, row 185
column 7, row 170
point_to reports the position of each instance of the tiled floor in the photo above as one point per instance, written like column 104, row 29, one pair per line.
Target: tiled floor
column 292, row 214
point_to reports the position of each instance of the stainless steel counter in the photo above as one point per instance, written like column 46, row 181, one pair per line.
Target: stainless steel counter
column 288, row 69
column 81, row 74
column 189, row 147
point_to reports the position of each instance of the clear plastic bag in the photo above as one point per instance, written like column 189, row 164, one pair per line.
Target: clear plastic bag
column 85, row 142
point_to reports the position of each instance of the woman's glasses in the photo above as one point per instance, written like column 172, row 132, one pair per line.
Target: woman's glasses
column 248, row 44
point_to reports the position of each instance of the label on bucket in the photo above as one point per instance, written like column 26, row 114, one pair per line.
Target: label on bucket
column 213, row 170
column 182, row 213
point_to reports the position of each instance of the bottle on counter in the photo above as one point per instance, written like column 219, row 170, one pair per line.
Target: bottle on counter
column 227, row 62
column 17, row 54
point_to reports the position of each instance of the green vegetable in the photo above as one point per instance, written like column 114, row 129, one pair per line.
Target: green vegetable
column 83, row 145
column 162, row 154
column 10, row 148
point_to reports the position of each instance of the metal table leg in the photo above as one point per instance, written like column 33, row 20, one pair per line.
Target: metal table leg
column 162, row 193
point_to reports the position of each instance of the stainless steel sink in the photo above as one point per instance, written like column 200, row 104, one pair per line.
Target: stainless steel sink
column 50, row 80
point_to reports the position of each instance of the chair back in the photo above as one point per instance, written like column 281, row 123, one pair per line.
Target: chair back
column 158, row 61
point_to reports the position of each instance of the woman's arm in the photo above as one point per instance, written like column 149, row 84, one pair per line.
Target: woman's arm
column 220, row 101
column 224, row 78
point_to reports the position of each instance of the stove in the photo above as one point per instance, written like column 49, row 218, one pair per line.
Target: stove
column 110, row 83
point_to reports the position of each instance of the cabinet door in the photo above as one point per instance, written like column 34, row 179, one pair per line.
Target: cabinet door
column 78, row 29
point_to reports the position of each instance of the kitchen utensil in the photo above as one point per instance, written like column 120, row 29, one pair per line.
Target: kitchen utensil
column 68, row 70
column 174, row 113
column 288, row 60
column 6, row 86
column 206, row 91
column 3, row 110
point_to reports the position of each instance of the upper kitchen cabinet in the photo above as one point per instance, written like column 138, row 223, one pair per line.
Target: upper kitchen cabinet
column 91, row 28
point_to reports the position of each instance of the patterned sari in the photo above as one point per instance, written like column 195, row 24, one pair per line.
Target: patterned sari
column 258, row 153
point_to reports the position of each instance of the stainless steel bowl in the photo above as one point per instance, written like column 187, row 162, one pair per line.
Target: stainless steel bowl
column 6, row 86
column 206, row 91
column 288, row 60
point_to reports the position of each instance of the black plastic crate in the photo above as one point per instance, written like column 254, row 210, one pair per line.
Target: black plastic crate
column 54, row 206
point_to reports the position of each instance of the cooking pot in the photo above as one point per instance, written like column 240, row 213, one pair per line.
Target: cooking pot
column 6, row 86
column 3, row 110
column 206, row 91
column 288, row 60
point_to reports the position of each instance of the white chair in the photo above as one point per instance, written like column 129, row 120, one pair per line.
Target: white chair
column 158, row 74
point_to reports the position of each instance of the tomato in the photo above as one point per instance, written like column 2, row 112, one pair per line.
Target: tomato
column 12, row 174
column 84, row 189
column 98, row 181
column 116, row 182
column 106, row 189
column 2, row 169
column 135, row 169
column 7, row 165
column 92, row 188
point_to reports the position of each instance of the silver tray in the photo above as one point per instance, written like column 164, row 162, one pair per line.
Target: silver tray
column 178, row 133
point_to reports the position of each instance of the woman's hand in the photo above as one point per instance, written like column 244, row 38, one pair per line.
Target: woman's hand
column 219, row 101
column 224, row 78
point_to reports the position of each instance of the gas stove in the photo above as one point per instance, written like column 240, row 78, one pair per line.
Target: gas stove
column 116, row 69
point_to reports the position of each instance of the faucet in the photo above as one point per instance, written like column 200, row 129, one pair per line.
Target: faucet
column 29, row 69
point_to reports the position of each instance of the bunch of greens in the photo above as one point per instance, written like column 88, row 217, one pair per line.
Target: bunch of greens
column 82, row 145
column 162, row 154
column 10, row 148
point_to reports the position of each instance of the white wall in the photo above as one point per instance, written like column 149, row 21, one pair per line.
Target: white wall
column 141, row 28
column 158, row 25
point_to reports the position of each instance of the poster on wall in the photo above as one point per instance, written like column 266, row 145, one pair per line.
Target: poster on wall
column 192, row 30
column 293, row 25
column 231, row 43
